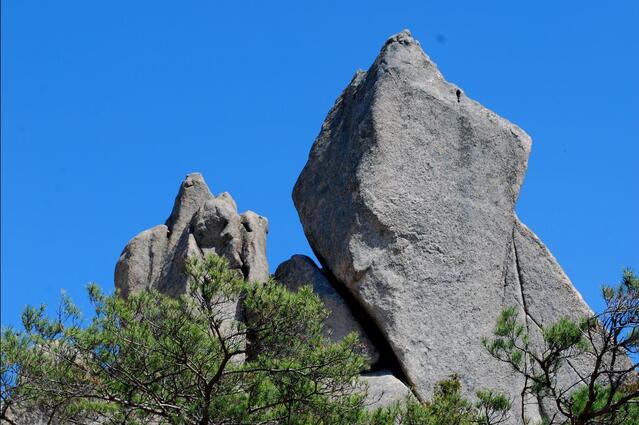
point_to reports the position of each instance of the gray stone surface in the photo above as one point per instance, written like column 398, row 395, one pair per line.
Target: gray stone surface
column 407, row 198
column 383, row 389
column 254, row 246
column 217, row 229
column 199, row 223
column 299, row 271
column 142, row 260
column 547, row 295
column 192, row 195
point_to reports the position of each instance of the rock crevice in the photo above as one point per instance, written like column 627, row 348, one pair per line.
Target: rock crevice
column 520, row 285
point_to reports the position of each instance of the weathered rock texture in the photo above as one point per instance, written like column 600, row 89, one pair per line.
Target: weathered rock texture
column 407, row 199
column 546, row 294
column 299, row 271
column 199, row 223
column 383, row 389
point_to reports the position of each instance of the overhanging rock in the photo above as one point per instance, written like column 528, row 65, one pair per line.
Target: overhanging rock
column 407, row 198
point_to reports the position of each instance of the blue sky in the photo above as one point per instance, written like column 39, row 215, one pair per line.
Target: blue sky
column 107, row 105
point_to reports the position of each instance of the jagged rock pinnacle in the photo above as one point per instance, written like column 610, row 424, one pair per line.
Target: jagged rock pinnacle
column 199, row 223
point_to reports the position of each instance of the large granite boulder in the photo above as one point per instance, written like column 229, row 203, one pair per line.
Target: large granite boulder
column 199, row 223
column 299, row 271
column 407, row 199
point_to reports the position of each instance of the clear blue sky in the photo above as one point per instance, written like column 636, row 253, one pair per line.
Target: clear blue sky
column 107, row 105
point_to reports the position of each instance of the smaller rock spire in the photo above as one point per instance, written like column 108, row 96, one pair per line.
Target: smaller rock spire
column 199, row 223
column 193, row 193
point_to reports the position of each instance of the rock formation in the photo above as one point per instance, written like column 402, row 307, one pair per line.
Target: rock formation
column 199, row 223
column 383, row 389
column 408, row 199
column 300, row 270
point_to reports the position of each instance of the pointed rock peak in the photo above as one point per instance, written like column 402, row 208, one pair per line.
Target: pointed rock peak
column 402, row 61
column 193, row 193
column 193, row 178
column 404, row 43
column 194, row 182
column 199, row 224
column 226, row 197
column 402, row 37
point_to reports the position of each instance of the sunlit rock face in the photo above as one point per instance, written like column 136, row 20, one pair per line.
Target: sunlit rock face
column 407, row 199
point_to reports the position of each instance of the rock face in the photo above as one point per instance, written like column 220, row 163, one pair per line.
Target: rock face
column 383, row 389
column 199, row 223
column 300, row 270
column 407, row 199
column 547, row 292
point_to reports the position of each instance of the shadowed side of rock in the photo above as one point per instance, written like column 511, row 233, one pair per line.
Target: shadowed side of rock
column 299, row 271
column 345, row 316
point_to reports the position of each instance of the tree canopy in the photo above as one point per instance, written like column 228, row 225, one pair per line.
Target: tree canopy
column 150, row 358
column 228, row 351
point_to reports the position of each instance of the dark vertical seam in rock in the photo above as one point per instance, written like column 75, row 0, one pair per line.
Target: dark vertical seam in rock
column 505, row 268
column 149, row 277
column 244, row 268
column 520, row 281
column 387, row 358
column 520, row 284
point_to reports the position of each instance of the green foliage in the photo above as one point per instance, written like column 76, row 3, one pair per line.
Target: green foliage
column 201, row 359
column 492, row 407
column 564, row 334
column 510, row 339
column 154, row 359
column 606, row 391
column 627, row 414
column 447, row 407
